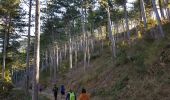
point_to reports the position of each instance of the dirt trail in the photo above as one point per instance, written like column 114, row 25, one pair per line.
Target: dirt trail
column 49, row 94
column 78, row 78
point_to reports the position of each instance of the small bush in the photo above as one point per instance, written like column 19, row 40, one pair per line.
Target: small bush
column 121, row 57
column 95, row 55
column 5, row 88
column 64, row 67
column 138, row 61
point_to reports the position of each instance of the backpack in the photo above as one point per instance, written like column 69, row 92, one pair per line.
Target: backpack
column 72, row 96
column 62, row 88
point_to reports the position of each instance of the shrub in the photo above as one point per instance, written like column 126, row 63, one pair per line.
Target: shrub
column 5, row 88
column 95, row 55
column 121, row 57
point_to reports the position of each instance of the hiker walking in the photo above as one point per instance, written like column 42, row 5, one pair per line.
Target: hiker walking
column 71, row 95
column 84, row 95
column 62, row 90
column 55, row 91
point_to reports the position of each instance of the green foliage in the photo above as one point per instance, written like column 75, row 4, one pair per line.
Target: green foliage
column 95, row 56
column 120, row 2
column 122, row 57
column 64, row 67
column 139, row 65
column 5, row 88
column 151, row 23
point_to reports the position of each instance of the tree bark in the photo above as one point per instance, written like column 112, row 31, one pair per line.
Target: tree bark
column 65, row 51
column 126, row 21
column 158, row 18
column 70, row 50
column 4, row 56
column 161, row 9
column 36, row 52
column 111, row 35
column 55, row 58
column 51, row 63
column 46, row 60
column 143, row 13
column 88, row 53
column 167, row 9
column 75, row 53
column 84, row 39
column 28, row 48
column 60, row 58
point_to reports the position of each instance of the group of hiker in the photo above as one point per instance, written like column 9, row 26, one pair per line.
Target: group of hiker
column 71, row 95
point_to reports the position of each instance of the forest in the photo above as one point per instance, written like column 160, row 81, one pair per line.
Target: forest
column 113, row 49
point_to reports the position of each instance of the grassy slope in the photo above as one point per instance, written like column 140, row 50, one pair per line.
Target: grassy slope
column 141, row 72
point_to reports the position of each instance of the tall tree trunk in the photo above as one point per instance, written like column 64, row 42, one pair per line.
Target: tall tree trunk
column 55, row 56
column 75, row 53
column 81, row 44
column 161, row 9
column 124, row 31
column 36, row 52
column 70, row 50
column 143, row 13
column 167, row 9
column 51, row 64
column 158, row 18
column 46, row 60
column 5, row 44
column 78, row 44
column 102, row 43
column 88, row 52
column 28, row 48
column 91, row 38
column 4, row 55
column 84, row 38
column 65, row 51
column 111, row 35
column 60, row 57
column 126, row 20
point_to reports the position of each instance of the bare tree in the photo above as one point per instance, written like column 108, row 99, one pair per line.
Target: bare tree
column 143, row 13
column 158, row 18
column 28, row 48
column 36, row 52
column 111, row 34
column 126, row 19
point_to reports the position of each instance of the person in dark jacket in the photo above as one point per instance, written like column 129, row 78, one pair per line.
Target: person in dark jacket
column 62, row 90
column 55, row 91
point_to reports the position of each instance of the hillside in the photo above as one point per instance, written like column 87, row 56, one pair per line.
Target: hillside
column 141, row 71
column 115, row 49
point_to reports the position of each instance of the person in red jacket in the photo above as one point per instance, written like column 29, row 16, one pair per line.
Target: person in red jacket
column 84, row 95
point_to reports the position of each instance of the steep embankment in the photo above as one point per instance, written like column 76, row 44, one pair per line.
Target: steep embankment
column 140, row 72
